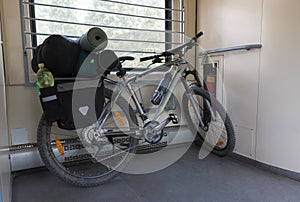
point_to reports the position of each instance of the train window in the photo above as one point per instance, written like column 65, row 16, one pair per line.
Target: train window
column 134, row 27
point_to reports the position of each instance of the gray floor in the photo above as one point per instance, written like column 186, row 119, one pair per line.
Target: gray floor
column 189, row 179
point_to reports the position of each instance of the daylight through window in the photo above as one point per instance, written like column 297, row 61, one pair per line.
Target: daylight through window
column 134, row 27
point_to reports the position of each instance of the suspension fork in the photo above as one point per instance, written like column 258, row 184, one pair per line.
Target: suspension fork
column 199, row 84
column 189, row 94
column 195, row 75
column 195, row 106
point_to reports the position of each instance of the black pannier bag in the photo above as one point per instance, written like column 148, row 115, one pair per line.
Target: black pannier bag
column 73, row 105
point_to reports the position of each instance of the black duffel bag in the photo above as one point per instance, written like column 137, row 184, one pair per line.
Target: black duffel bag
column 59, row 54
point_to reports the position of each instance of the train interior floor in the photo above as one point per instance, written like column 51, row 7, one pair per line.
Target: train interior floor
column 189, row 179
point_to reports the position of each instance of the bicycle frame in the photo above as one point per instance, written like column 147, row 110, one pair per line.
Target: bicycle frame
column 182, row 71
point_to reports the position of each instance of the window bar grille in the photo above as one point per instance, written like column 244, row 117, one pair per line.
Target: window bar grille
column 29, row 20
column 106, row 12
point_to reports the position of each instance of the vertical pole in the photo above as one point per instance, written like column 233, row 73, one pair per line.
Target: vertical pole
column 33, row 25
column 190, row 15
column 168, row 24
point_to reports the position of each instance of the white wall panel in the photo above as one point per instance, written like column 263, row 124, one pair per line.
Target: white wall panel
column 24, row 111
column 232, row 23
column 241, row 86
column 12, row 35
column 5, row 181
column 261, row 86
column 279, row 108
column 229, row 22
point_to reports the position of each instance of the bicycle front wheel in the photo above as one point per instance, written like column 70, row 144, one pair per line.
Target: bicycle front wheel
column 70, row 156
column 218, row 134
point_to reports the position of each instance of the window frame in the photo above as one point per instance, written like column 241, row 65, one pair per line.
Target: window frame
column 169, row 27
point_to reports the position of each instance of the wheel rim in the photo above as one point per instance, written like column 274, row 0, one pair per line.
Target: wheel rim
column 111, row 145
column 73, row 156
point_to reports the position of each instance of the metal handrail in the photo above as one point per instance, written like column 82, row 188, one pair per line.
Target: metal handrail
column 235, row 48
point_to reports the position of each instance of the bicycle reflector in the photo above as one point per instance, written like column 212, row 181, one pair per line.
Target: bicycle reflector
column 119, row 118
column 59, row 146
column 220, row 143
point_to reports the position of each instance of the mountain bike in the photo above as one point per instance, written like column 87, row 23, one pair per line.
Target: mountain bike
column 95, row 154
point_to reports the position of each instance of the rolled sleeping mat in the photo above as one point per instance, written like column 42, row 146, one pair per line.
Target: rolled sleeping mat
column 94, row 40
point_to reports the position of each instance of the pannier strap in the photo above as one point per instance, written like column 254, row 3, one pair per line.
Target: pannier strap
column 49, row 98
column 78, row 85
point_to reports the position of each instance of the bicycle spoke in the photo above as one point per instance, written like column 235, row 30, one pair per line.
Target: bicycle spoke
column 121, row 152
column 219, row 135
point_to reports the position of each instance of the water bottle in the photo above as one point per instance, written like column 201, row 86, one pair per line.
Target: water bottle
column 162, row 87
column 44, row 77
column 37, row 87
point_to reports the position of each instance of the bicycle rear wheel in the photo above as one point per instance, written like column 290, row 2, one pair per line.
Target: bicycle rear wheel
column 66, row 155
column 219, row 135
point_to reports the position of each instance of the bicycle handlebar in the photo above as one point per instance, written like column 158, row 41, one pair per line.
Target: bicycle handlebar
column 198, row 35
column 175, row 50
column 164, row 54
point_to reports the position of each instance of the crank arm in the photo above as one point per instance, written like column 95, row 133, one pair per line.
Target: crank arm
column 163, row 124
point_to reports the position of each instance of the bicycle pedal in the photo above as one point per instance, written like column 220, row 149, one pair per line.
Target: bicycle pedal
column 174, row 118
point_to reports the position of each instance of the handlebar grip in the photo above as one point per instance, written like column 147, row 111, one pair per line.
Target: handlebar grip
column 146, row 58
column 124, row 58
column 199, row 35
column 164, row 54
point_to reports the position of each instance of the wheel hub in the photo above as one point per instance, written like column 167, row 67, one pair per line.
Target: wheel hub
column 91, row 137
